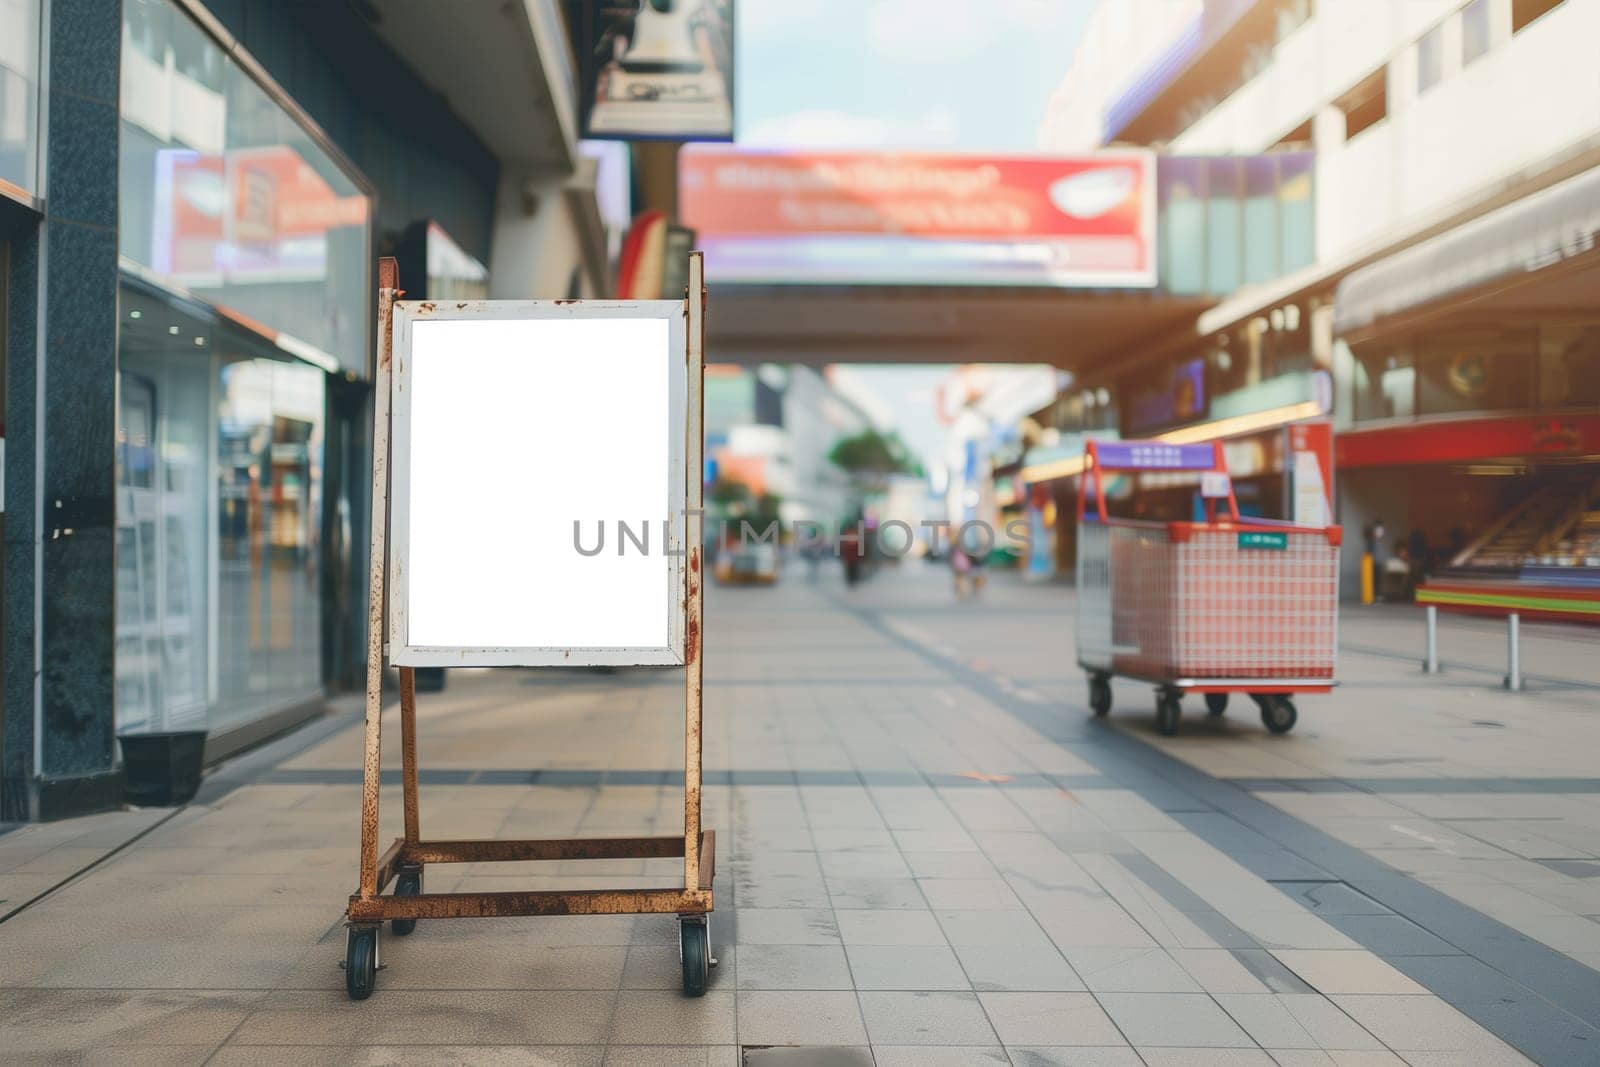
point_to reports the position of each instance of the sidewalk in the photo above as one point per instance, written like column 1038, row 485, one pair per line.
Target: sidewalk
column 929, row 854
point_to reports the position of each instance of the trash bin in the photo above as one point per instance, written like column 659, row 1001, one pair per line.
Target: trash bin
column 161, row 770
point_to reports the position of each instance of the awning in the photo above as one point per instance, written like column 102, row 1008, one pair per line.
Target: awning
column 1537, row 232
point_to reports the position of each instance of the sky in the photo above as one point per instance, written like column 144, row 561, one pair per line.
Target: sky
column 961, row 74
column 966, row 75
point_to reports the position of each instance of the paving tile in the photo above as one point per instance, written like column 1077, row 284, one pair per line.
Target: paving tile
column 998, row 928
column 1049, row 1019
column 1017, row 968
column 950, row 865
column 58, row 1020
column 128, row 1056
column 925, row 1019
column 1327, row 1024
column 908, row 967
column 829, row 1056
column 925, row 1056
column 787, row 926
column 969, row 894
column 1270, row 971
column 667, row 1017
column 1397, row 935
column 1300, row 1057
column 1218, row 970
column 935, row 841
column 1267, row 1020
column 889, row 928
column 435, row 1017
column 785, row 891
column 1419, row 1024
column 1357, row 971
column 875, row 894
column 864, row 865
column 1067, row 1056
column 1294, row 930
column 388, row 1055
column 673, row 1056
column 1130, row 970
column 415, row 963
column 1332, row 898
column 1205, row 1057
column 800, row 1018
column 1072, row 922
column 793, row 967
column 660, row 967
column 1173, row 1020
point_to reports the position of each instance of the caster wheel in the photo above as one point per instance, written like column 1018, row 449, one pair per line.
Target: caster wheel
column 1099, row 694
column 1278, row 714
column 1216, row 703
column 406, row 884
column 360, row 961
column 1167, row 712
column 694, row 939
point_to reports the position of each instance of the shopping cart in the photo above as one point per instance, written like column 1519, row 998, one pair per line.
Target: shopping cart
column 1215, row 607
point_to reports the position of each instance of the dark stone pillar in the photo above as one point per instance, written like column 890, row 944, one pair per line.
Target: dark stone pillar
column 17, row 792
column 77, row 415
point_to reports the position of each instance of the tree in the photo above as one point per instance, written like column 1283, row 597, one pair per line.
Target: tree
column 870, row 455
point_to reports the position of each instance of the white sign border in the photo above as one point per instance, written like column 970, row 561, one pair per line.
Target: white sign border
column 404, row 654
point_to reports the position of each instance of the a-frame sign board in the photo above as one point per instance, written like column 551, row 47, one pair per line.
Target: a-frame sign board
column 504, row 434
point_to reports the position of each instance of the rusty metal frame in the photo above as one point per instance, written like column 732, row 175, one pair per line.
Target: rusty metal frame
column 697, row 847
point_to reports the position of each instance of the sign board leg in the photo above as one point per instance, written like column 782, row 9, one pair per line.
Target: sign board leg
column 694, row 464
column 408, row 751
column 388, row 283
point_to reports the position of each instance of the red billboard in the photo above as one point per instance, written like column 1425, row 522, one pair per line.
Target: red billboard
column 903, row 218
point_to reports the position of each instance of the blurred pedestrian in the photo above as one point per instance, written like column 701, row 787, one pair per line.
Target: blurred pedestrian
column 850, row 552
column 968, row 569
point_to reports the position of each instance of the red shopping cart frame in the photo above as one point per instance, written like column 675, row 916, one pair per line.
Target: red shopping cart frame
column 1139, row 456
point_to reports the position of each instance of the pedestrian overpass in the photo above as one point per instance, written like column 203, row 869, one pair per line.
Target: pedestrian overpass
column 1073, row 261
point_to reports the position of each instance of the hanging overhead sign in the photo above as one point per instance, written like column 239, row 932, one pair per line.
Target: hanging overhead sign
column 539, row 483
column 904, row 218
column 657, row 69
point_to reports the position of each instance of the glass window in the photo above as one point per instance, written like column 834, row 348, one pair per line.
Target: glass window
column 163, row 501
column 1384, row 385
column 1430, row 59
column 1474, row 30
column 225, row 195
column 1570, row 366
column 19, row 93
column 1182, row 228
column 1477, row 370
column 219, row 479
column 269, row 453
column 1224, row 226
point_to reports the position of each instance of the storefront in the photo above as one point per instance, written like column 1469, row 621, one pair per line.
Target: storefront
column 1470, row 399
column 185, row 327
column 244, row 243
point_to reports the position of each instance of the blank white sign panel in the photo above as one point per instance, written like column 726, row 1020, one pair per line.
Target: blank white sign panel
column 508, row 431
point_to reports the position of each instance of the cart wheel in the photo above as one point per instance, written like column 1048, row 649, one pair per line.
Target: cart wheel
column 1167, row 712
column 1278, row 714
column 1216, row 703
column 695, row 942
column 360, row 961
column 406, row 884
column 1099, row 694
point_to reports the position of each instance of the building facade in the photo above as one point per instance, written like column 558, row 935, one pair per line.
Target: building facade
column 192, row 200
column 1445, row 318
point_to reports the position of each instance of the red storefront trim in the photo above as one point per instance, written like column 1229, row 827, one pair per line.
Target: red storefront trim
column 1465, row 440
